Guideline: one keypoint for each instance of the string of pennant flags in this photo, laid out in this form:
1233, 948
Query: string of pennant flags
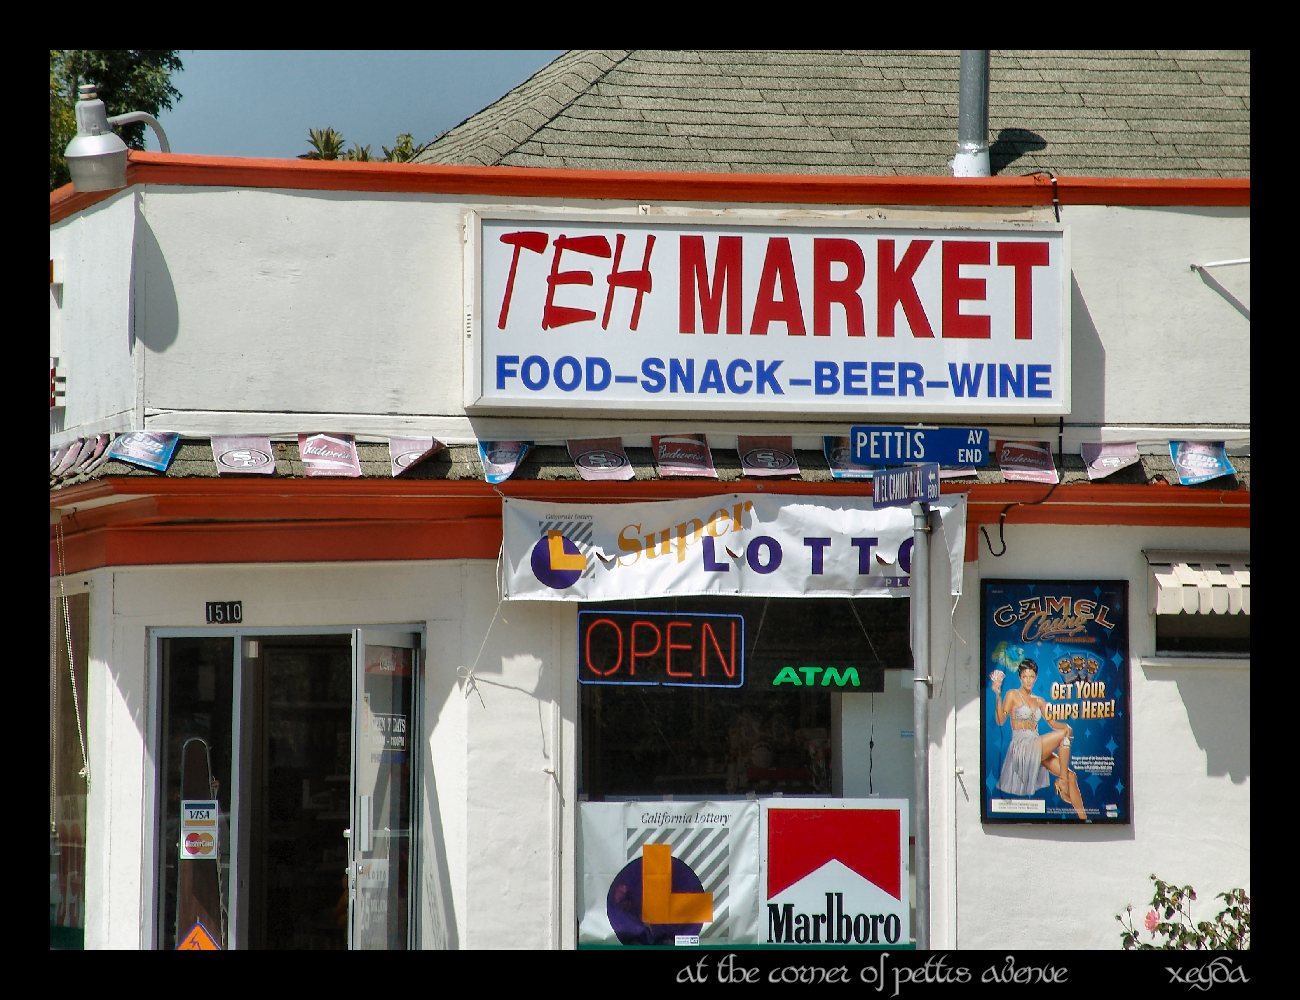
676, 456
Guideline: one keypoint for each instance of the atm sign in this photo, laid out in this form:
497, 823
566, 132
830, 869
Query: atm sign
657, 648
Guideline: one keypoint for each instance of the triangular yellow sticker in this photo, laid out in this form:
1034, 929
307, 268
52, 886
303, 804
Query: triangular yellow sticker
198, 939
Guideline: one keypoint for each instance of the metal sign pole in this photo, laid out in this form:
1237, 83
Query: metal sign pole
921, 716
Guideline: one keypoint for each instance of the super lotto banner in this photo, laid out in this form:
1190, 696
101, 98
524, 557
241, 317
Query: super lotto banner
759, 545
1055, 731
676, 316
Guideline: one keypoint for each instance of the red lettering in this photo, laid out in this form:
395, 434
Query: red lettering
591, 628
536, 242
728, 668
894, 285
640, 280
694, 275
1024, 257
553, 315
957, 289
651, 652
778, 264
845, 292
672, 645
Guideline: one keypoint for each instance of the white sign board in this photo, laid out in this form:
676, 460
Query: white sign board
752, 544
691, 316
200, 839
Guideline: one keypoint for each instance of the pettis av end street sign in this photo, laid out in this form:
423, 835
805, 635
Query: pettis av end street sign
944, 445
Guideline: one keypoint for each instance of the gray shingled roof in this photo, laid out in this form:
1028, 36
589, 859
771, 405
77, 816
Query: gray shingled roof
1119, 113
193, 459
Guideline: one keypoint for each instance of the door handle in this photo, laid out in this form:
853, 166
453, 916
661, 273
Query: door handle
365, 822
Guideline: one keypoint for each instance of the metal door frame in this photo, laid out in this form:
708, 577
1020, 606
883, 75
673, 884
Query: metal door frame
151, 814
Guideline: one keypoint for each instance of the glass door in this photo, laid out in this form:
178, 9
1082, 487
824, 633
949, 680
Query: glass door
383, 718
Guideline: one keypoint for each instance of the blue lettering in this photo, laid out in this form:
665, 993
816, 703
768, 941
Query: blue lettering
712, 377
773, 554
568, 384
1016, 382
818, 546
732, 384
905, 555
882, 378
594, 365
962, 382
910, 373
767, 377
864, 547
826, 375
653, 370
541, 381
711, 563
1040, 377
505, 369
855, 378
676, 375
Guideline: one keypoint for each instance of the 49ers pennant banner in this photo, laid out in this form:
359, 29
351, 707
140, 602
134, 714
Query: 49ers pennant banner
757, 545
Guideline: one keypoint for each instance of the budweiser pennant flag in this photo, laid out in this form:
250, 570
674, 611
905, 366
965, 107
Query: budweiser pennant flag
601, 458
1027, 462
150, 449
329, 455
683, 455
405, 453
243, 456
1199, 461
839, 456
501, 458
767, 456
1101, 459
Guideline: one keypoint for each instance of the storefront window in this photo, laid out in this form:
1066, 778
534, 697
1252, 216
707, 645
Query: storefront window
197, 692
68, 769
779, 732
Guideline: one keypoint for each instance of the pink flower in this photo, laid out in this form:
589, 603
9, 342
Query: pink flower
1151, 921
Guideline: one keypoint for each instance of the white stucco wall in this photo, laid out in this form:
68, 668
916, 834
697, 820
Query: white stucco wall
90, 321
1061, 886
271, 311
497, 827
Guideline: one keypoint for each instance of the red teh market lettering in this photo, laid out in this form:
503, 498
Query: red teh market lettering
712, 294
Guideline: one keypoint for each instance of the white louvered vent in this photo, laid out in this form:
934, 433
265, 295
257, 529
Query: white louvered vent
1199, 582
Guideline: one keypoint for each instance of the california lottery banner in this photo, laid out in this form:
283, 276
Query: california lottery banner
669, 873
760, 545
1055, 711
675, 314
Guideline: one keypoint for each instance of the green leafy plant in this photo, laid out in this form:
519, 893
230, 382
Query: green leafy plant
325, 143
359, 153
1170, 923
404, 149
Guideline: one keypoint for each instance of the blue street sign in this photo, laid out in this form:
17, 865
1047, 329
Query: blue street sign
899, 487
944, 445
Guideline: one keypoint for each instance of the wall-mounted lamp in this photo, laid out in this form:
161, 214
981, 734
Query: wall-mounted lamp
96, 158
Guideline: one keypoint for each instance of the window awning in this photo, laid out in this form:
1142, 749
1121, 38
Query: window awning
1199, 582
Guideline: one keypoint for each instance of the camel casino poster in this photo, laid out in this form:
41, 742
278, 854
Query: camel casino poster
1054, 732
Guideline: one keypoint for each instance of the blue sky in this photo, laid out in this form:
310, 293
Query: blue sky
261, 103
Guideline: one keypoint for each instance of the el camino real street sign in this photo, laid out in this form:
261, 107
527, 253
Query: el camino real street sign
900, 487
687, 315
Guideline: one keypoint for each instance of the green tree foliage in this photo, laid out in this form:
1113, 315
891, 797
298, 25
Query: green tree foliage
327, 144
1170, 923
126, 80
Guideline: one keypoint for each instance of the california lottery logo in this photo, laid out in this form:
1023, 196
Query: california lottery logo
557, 562
656, 898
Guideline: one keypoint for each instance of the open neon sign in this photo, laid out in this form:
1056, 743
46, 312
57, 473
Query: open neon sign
658, 648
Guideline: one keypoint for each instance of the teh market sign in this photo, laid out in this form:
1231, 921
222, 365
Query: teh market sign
697, 316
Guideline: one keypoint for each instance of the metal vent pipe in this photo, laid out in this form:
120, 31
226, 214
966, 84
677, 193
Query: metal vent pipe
972, 159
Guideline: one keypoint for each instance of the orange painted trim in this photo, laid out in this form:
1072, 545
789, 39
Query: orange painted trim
647, 185
186, 521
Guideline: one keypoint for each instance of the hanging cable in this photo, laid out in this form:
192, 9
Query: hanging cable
67, 632
1002, 522
871, 747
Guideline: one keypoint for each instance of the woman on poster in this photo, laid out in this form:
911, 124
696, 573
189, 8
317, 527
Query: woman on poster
1032, 757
